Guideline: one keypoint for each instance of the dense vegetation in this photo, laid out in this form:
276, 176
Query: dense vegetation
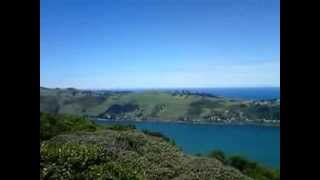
197, 107
118, 109
158, 134
250, 168
53, 125
156, 105
75, 148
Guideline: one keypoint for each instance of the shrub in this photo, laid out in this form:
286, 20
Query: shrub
118, 109
157, 134
247, 167
52, 125
120, 127
253, 169
113, 171
218, 154
81, 161
129, 143
240, 163
173, 142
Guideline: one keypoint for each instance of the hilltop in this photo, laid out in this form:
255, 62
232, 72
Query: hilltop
158, 105
74, 148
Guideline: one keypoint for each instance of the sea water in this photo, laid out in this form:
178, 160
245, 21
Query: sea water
257, 143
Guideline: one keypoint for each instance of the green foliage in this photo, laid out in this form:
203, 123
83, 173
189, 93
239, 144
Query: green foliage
118, 109
113, 171
120, 127
253, 169
173, 142
241, 163
197, 106
218, 154
52, 125
81, 161
156, 134
248, 167
160, 135
158, 109
86, 101
157, 105
120, 153
116, 152
123, 155
263, 112
129, 143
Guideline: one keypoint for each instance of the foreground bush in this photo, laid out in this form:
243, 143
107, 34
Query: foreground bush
248, 167
156, 134
52, 125
160, 135
81, 161
218, 155
119, 127
76, 148
125, 155
253, 169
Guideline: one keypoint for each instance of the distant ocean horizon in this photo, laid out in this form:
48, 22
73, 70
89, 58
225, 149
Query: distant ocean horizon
247, 93
242, 93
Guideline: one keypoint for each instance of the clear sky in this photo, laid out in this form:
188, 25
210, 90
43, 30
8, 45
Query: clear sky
102, 44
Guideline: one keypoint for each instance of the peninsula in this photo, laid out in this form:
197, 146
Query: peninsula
155, 105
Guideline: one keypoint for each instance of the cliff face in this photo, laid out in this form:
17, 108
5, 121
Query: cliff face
125, 154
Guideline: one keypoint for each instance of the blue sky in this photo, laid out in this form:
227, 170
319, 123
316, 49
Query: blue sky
99, 44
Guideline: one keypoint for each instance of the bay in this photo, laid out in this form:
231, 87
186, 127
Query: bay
258, 143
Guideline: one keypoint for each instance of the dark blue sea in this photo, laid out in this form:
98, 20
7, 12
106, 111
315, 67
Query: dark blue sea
257, 143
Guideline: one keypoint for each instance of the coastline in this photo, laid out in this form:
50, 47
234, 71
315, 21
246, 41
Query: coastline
171, 127
225, 123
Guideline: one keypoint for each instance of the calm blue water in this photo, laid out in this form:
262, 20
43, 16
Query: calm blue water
255, 142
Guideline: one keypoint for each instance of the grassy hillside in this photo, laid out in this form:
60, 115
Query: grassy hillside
76, 148
156, 105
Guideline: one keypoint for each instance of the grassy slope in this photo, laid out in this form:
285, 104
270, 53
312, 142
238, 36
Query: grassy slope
130, 154
152, 105
74, 148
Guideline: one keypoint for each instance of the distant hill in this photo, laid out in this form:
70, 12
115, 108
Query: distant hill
156, 105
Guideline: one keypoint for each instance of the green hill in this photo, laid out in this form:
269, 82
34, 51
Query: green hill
157, 105
75, 148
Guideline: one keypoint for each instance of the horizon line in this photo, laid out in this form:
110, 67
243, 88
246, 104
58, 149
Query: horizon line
150, 88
